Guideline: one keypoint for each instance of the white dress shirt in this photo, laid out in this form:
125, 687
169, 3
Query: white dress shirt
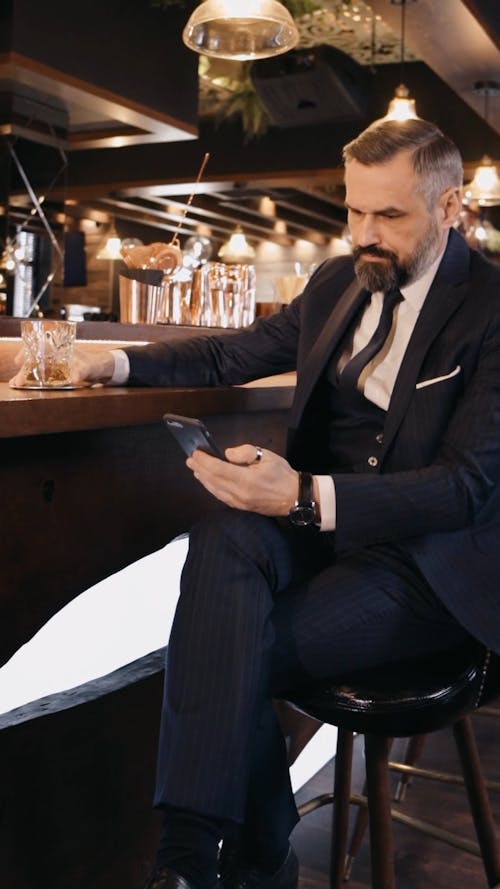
378, 377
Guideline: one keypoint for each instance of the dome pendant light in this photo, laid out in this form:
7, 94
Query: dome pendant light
241, 29
485, 185
236, 249
111, 249
402, 106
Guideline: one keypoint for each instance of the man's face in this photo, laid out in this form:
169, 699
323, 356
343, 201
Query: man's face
395, 236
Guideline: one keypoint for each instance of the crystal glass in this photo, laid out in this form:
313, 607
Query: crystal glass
48, 352
232, 294
176, 304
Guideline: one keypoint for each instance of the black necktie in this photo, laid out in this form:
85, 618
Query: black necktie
350, 374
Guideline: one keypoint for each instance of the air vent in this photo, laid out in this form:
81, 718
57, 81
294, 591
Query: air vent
309, 86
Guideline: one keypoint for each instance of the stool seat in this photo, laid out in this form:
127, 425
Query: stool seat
401, 699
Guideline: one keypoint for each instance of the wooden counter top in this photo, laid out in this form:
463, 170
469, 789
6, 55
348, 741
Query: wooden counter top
28, 412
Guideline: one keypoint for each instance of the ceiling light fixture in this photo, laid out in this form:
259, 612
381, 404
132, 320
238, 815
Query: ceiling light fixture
267, 206
111, 249
237, 248
485, 184
402, 106
241, 29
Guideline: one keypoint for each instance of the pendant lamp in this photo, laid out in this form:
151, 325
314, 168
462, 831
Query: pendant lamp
236, 249
402, 106
111, 249
485, 184
241, 29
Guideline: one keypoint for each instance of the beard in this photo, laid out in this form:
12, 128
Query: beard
392, 273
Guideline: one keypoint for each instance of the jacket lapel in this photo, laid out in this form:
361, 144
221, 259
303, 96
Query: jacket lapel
447, 292
335, 326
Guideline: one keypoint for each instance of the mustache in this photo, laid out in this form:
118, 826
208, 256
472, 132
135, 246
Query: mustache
373, 250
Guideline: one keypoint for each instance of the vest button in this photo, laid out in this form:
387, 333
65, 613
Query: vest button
372, 461
379, 438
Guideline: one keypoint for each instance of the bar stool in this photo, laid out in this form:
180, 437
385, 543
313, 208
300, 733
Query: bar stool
403, 700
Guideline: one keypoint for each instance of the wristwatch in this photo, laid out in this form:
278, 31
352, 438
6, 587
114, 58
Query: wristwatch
304, 511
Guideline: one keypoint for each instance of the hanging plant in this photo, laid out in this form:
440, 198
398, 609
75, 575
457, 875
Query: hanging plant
243, 102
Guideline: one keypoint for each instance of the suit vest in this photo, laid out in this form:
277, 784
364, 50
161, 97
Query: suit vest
355, 426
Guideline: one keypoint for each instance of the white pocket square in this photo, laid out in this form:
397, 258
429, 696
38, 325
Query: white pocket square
433, 380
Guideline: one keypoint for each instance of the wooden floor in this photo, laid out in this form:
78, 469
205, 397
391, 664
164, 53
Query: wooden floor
421, 862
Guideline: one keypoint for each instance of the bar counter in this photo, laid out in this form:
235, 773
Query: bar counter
91, 481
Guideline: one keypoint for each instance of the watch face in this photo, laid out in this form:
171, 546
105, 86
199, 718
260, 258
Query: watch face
302, 515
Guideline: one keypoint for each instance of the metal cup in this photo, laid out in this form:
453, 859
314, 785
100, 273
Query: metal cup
140, 301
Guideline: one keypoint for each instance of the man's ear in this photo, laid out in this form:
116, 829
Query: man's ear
450, 204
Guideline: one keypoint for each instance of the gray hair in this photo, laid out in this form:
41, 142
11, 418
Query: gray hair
436, 159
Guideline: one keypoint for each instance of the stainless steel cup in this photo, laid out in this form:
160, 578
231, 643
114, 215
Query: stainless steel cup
140, 302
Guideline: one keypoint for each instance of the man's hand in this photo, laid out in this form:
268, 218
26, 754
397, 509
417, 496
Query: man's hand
268, 486
88, 366
92, 366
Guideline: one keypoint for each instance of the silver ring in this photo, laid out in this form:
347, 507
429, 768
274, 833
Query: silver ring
258, 455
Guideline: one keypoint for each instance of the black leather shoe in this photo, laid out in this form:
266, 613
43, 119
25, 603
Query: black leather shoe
286, 877
165, 878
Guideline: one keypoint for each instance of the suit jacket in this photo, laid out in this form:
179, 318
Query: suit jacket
436, 487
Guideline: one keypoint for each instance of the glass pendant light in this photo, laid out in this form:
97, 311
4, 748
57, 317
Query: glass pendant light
237, 248
485, 184
402, 106
111, 249
241, 29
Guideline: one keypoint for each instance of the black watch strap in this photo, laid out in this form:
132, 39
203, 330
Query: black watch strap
304, 510
306, 490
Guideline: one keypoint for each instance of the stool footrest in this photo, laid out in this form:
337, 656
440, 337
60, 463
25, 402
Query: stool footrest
439, 833
317, 802
435, 775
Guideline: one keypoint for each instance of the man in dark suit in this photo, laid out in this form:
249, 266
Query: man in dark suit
376, 539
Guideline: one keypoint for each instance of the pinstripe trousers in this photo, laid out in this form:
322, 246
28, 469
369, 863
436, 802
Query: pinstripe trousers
265, 607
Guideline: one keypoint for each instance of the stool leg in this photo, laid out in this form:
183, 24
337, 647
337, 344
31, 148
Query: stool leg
341, 802
379, 810
358, 833
412, 755
357, 838
478, 799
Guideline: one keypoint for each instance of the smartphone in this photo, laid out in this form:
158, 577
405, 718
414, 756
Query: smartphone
192, 435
